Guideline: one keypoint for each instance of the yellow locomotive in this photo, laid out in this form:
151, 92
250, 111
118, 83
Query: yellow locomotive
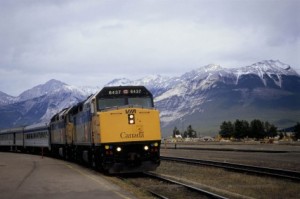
116, 129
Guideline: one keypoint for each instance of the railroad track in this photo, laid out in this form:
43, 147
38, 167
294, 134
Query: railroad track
180, 147
162, 187
278, 173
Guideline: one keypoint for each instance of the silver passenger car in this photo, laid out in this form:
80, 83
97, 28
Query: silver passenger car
37, 135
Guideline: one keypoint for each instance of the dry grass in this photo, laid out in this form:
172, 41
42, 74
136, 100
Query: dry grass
231, 184
137, 192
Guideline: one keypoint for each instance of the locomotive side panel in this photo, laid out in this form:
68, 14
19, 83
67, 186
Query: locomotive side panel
69, 133
58, 133
82, 133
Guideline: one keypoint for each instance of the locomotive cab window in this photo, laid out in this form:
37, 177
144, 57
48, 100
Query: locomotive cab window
138, 101
110, 103
113, 97
117, 102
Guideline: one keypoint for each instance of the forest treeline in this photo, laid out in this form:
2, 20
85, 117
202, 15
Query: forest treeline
256, 129
240, 129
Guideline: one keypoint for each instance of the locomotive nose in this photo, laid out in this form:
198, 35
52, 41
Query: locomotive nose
133, 157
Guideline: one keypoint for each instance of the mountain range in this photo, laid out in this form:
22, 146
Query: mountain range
205, 97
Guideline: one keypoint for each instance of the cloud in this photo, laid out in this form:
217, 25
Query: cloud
96, 41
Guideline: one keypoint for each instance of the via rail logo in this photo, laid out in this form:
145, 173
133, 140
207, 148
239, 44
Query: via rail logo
130, 111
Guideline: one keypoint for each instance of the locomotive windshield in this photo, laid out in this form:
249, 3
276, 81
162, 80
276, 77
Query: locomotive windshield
145, 102
111, 97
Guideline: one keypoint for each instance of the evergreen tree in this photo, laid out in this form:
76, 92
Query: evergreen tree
191, 132
270, 129
246, 128
175, 132
267, 127
297, 131
226, 129
257, 129
241, 129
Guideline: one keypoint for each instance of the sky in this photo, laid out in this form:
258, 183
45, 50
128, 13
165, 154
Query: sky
92, 42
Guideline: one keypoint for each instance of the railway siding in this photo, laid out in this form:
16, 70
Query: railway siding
236, 184
286, 157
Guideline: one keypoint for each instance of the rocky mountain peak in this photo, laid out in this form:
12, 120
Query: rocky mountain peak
50, 87
212, 68
6, 99
119, 82
269, 67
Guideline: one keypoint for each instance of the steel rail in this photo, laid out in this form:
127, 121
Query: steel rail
157, 195
278, 173
192, 188
182, 147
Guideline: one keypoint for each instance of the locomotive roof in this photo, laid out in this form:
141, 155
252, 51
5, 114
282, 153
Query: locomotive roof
60, 114
124, 90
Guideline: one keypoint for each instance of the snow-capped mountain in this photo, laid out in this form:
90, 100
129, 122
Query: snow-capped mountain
156, 83
119, 82
204, 97
267, 67
89, 90
49, 88
270, 72
39, 104
211, 94
262, 74
6, 99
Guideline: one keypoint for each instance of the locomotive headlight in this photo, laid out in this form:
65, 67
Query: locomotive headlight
106, 147
156, 144
131, 119
146, 148
119, 149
